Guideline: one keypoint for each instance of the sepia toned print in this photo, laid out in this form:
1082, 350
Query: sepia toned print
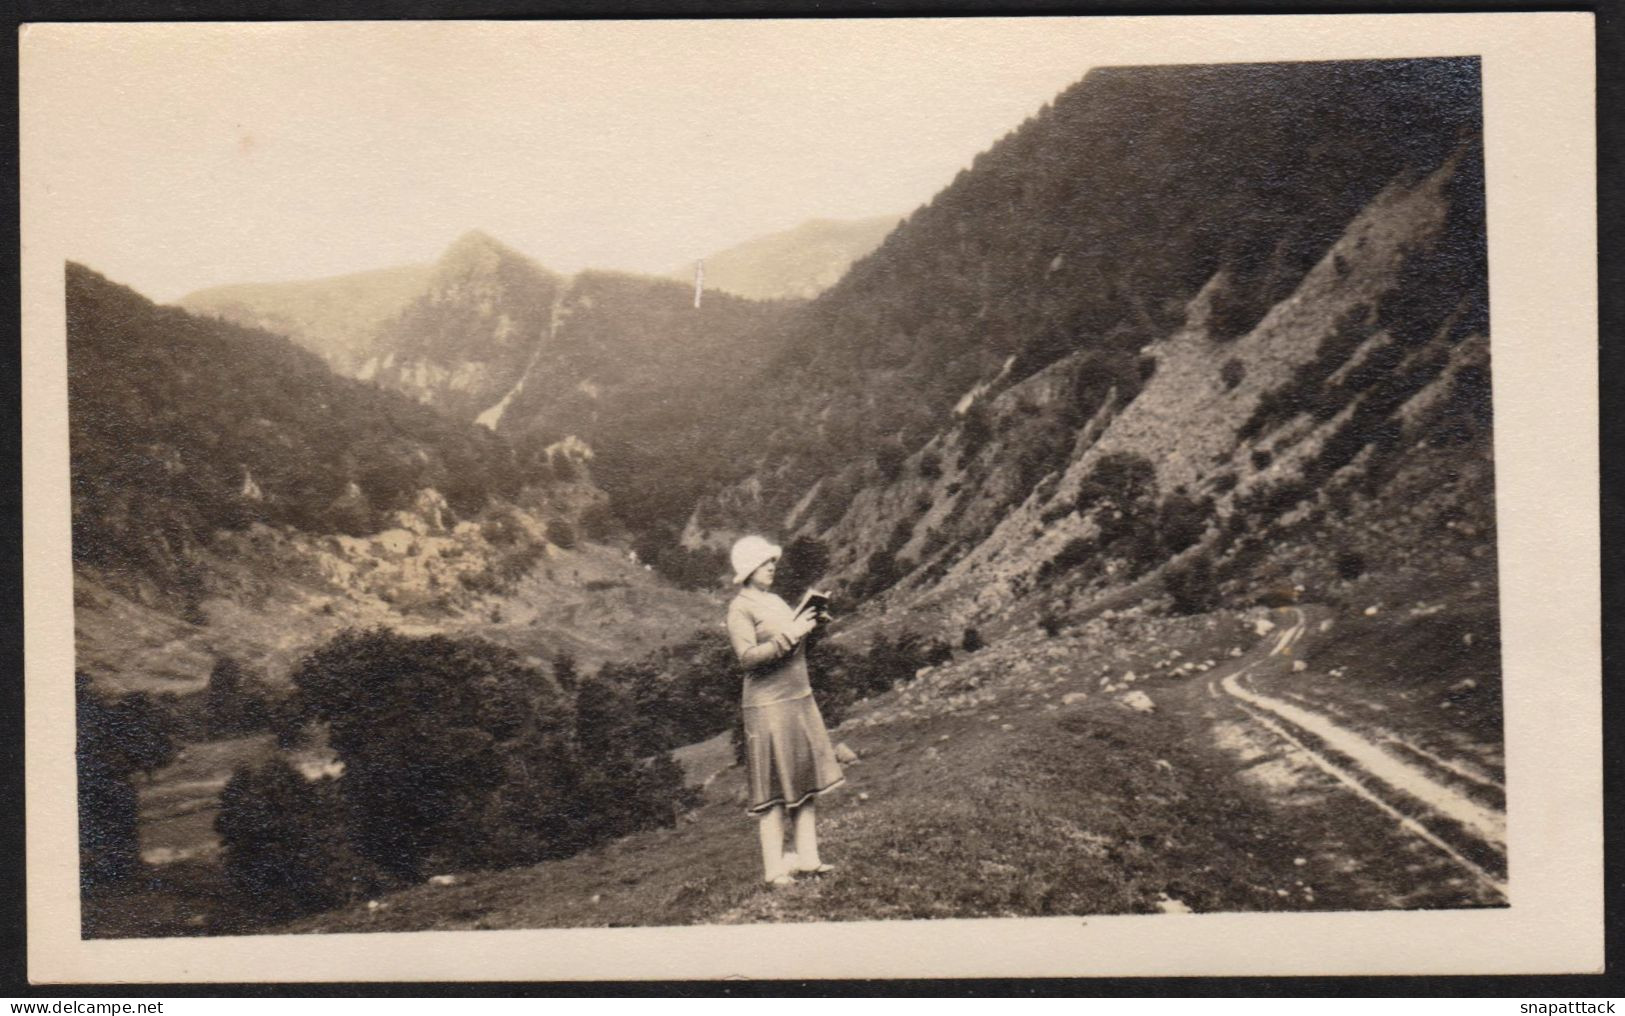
1141, 472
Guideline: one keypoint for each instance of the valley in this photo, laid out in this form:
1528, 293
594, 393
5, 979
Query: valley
1154, 484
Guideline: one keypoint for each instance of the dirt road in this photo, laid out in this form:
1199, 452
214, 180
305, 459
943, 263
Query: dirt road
1432, 801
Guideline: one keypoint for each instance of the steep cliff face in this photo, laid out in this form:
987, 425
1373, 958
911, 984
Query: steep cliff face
1379, 356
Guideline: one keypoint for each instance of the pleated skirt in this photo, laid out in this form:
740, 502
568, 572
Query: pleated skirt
788, 757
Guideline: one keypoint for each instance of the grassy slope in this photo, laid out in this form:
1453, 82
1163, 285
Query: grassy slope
981, 791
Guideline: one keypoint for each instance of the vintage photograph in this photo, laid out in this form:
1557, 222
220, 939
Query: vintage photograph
553, 478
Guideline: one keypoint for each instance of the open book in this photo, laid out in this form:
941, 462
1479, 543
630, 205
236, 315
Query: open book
813, 602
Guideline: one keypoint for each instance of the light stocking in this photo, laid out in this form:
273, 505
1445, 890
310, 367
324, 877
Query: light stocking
770, 827
807, 837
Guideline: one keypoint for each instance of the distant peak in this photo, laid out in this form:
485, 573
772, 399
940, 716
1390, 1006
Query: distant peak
475, 240
477, 247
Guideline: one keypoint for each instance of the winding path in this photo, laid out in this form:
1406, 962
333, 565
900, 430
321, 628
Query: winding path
1410, 795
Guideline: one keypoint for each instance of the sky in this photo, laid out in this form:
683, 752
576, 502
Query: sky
187, 156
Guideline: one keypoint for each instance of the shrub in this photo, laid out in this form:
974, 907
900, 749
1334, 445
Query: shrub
1120, 479
976, 429
1262, 458
562, 533
1232, 373
286, 849
598, 522
971, 641
1051, 623
456, 753
1192, 586
1077, 551
1350, 564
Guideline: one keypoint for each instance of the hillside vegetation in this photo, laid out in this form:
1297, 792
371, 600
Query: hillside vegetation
1194, 295
181, 426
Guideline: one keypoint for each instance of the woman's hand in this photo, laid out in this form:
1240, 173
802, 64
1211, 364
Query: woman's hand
800, 627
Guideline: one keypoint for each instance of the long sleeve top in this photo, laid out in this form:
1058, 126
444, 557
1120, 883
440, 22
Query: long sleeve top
775, 669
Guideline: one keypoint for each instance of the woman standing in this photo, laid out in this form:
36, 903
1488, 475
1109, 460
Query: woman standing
787, 751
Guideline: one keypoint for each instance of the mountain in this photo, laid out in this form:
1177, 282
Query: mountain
646, 379
1129, 253
232, 496
796, 263
335, 318
181, 425
624, 365
1195, 291
469, 337
622, 369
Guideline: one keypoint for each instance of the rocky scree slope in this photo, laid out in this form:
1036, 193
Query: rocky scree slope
1216, 307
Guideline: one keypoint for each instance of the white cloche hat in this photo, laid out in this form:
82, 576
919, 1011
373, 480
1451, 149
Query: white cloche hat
749, 554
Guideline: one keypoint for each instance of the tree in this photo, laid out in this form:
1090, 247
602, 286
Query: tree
285, 846
418, 724
116, 740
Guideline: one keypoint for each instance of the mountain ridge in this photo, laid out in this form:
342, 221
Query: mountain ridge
795, 263
333, 317
1100, 292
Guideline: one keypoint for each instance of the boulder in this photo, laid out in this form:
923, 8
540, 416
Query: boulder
1138, 701
844, 754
